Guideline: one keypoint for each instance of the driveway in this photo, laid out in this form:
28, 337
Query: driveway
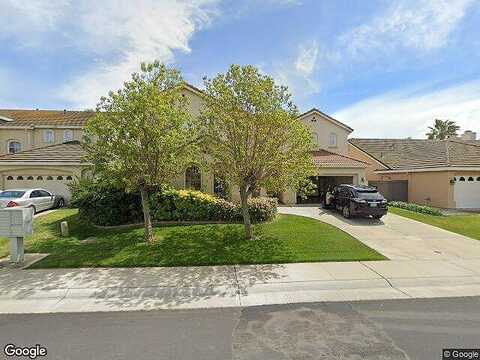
396, 237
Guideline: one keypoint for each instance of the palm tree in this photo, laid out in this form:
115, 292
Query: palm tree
442, 129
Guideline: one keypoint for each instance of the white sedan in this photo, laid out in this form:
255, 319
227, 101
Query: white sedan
38, 199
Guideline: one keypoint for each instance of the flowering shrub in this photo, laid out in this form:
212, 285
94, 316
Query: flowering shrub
103, 204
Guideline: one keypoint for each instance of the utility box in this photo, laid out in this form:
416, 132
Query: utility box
15, 223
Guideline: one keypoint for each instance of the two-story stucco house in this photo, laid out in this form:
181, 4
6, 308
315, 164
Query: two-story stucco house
42, 149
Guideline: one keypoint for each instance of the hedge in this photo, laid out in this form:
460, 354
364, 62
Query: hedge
103, 204
416, 208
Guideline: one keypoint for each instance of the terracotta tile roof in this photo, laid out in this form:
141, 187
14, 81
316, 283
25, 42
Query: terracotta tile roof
67, 152
404, 154
327, 159
44, 117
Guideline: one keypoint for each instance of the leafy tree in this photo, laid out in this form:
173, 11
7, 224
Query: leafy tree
442, 129
253, 135
143, 135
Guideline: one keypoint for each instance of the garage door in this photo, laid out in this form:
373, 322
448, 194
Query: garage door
58, 184
467, 192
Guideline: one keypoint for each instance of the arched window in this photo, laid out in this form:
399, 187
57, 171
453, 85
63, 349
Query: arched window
59, 177
39, 177
9, 177
14, 146
69, 177
20, 177
478, 178
462, 179
470, 178
49, 178
219, 187
193, 178
30, 177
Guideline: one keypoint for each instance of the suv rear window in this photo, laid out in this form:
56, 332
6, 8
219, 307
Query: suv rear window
369, 195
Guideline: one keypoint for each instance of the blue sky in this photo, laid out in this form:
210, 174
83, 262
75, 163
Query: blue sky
386, 68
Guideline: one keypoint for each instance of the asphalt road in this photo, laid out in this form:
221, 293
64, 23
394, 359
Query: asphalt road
394, 329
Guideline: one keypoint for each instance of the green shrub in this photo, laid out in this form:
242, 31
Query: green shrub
101, 203
104, 204
416, 208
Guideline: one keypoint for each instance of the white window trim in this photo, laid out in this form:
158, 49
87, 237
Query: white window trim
67, 131
335, 143
8, 145
45, 132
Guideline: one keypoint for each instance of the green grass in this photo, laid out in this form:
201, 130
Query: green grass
286, 239
468, 225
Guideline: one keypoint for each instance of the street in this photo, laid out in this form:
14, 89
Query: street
392, 329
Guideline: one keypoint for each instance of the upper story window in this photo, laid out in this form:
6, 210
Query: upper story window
193, 178
14, 146
315, 138
48, 136
332, 140
67, 135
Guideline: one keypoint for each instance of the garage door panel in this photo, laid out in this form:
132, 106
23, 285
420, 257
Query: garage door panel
467, 192
59, 187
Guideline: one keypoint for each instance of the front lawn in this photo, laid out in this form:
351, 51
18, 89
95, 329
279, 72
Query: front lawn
287, 239
468, 225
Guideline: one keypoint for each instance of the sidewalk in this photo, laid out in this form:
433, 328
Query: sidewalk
90, 289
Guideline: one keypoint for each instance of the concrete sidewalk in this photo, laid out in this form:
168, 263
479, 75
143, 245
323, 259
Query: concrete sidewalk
90, 289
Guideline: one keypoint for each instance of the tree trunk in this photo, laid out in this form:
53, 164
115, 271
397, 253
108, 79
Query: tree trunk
147, 219
246, 214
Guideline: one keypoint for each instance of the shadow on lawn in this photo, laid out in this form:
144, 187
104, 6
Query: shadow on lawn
137, 287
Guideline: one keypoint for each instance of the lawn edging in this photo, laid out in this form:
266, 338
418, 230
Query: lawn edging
166, 223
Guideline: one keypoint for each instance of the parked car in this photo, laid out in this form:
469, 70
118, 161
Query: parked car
354, 200
38, 199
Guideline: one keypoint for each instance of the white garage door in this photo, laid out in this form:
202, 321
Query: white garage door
58, 184
467, 192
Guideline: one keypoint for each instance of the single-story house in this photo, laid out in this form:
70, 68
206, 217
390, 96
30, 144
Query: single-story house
439, 173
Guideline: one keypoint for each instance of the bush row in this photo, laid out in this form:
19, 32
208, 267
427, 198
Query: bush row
105, 205
416, 208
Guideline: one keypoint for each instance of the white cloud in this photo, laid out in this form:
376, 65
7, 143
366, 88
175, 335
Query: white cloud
307, 58
298, 73
117, 34
421, 25
409, 112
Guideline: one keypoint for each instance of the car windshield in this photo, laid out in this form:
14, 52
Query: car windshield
369, 195
11, 194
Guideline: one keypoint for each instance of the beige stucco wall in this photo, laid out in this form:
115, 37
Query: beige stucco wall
431, 188
374, 164
321, 128
33, 138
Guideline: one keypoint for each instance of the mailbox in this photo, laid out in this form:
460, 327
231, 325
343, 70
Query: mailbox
15, 223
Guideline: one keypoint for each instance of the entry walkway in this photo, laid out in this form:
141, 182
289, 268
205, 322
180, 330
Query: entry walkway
396, 237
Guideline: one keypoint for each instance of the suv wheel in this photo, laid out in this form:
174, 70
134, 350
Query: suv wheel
346, 212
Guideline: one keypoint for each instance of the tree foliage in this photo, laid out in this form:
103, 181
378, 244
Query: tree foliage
143, 135
253, 136
442, 129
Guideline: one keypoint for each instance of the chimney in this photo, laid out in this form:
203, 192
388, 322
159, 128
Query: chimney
469, 135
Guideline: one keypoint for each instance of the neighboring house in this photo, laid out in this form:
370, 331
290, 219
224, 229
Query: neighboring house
440, 173
42, 149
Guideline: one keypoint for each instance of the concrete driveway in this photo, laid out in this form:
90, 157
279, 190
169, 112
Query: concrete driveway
396, 237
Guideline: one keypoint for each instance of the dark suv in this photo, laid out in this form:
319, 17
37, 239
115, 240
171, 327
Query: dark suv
359, 201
